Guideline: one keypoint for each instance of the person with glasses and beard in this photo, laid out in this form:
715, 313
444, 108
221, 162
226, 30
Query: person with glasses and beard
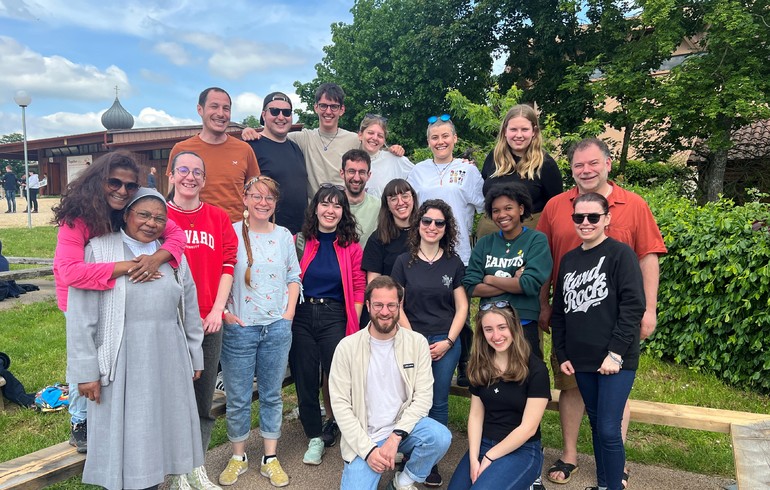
381, 390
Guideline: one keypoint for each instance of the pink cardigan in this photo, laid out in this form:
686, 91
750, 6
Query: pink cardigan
353, 278
70, 269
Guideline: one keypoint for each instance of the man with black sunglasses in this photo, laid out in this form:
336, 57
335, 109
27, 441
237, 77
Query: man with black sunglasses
633, 224
230, 162
282, 160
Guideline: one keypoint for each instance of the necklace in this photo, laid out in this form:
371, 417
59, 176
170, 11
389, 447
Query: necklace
327, 145
508, 242
187, 212
441, 172
430, 261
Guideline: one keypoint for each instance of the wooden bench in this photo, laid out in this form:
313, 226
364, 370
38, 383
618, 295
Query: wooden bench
61, 461
32, 273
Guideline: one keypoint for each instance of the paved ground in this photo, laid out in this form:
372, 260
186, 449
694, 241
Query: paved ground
327, 476
19, 219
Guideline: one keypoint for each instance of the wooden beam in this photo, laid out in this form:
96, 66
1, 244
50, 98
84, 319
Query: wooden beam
29, 260
20, 274
751, 450
42, 468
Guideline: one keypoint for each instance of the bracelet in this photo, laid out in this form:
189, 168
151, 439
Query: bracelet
451, 342
490, 459
615, 358
225, 311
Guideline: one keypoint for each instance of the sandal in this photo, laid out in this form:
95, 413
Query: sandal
565, 468
624, 481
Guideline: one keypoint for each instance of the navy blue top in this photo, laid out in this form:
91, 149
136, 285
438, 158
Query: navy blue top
322, 278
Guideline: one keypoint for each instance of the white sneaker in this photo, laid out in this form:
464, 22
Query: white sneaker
219, 386
178, 482
199, 480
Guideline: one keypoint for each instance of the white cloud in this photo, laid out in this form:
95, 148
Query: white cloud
174, 52
240, 57
154, 77
56, 76
150, 117
246, 104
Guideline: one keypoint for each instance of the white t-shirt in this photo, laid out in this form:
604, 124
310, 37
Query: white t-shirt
386, 167
385, 390
460, 185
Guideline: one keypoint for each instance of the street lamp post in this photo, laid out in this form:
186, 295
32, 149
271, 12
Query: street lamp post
23, 99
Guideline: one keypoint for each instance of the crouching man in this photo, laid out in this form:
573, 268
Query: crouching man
381, 387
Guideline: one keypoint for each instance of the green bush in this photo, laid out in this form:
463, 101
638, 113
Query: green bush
714, 296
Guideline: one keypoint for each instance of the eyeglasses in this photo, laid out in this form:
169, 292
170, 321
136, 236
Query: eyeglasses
322, 107
593, 218
405, 197
425, 221
497, 304
392, 307
442, 117
260, 197
146, 217
185, 171
115, 184
329, 185
274, 111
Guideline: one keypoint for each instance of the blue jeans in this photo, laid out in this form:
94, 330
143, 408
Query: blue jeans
78, 407
10, 199
427, 444
443, 370
244, 349
605, 397
514, 471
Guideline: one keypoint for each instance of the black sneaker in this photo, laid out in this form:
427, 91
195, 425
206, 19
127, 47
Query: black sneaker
538, 484
434, 479
79, 436
330, 433
462, 376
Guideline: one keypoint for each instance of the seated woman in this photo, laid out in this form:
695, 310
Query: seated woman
598, 304
133, 352
509, 392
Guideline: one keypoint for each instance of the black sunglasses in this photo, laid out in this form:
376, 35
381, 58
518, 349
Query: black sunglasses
497, 304
329, 185
115, 184
274, 111
440, 223
593, 218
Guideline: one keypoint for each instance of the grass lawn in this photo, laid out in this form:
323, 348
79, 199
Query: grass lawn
34, 337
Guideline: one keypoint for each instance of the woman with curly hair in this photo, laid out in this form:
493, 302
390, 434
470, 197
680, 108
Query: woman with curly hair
333, 284
92, 206
509, 392
518, 156
435, 303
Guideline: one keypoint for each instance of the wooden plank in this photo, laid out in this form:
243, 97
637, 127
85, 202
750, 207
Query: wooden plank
17, 275
29, 260
41, 468
751, 449
687, 417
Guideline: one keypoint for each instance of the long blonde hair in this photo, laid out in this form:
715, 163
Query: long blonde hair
481, 366
272, 188
532, 161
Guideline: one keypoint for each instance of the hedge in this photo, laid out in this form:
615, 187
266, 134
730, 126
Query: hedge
714, 295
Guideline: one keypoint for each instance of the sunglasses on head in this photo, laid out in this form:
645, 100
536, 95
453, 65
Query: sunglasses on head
593, 218
497, 304
274, 111
115, 184
329, 185
442, 117
440, 223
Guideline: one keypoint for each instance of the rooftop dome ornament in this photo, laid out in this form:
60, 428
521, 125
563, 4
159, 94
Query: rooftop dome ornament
116, 117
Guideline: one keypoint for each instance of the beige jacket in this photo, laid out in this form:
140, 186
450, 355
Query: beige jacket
347, 386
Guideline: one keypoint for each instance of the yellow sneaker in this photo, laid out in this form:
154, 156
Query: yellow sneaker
273, 470
235, 468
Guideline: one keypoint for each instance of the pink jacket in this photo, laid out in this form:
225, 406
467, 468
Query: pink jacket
353, 278
70, 268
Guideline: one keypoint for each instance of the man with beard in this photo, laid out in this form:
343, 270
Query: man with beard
381, 387
355, 172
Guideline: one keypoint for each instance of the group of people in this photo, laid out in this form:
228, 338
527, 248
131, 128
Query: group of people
13, 185
331, 253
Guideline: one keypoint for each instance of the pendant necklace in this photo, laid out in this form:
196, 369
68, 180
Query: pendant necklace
186, 213
441, 172
430, 261
327, 145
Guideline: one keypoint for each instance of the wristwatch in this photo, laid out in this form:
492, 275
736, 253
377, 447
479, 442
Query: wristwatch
401, 433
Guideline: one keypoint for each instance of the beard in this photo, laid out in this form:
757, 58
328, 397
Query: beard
388, 326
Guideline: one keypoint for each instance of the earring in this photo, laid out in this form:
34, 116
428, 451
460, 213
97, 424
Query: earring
245, 214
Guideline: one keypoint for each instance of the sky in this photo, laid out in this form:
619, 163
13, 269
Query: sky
69, 56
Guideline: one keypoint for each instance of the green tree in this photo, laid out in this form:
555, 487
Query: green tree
725, 87
16, 165
399, 58
251, 121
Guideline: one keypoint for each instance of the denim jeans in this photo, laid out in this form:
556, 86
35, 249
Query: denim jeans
10, 199
605, 397
443, 370
316, 331
244, 349
426, 444
78, 407
514, 471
